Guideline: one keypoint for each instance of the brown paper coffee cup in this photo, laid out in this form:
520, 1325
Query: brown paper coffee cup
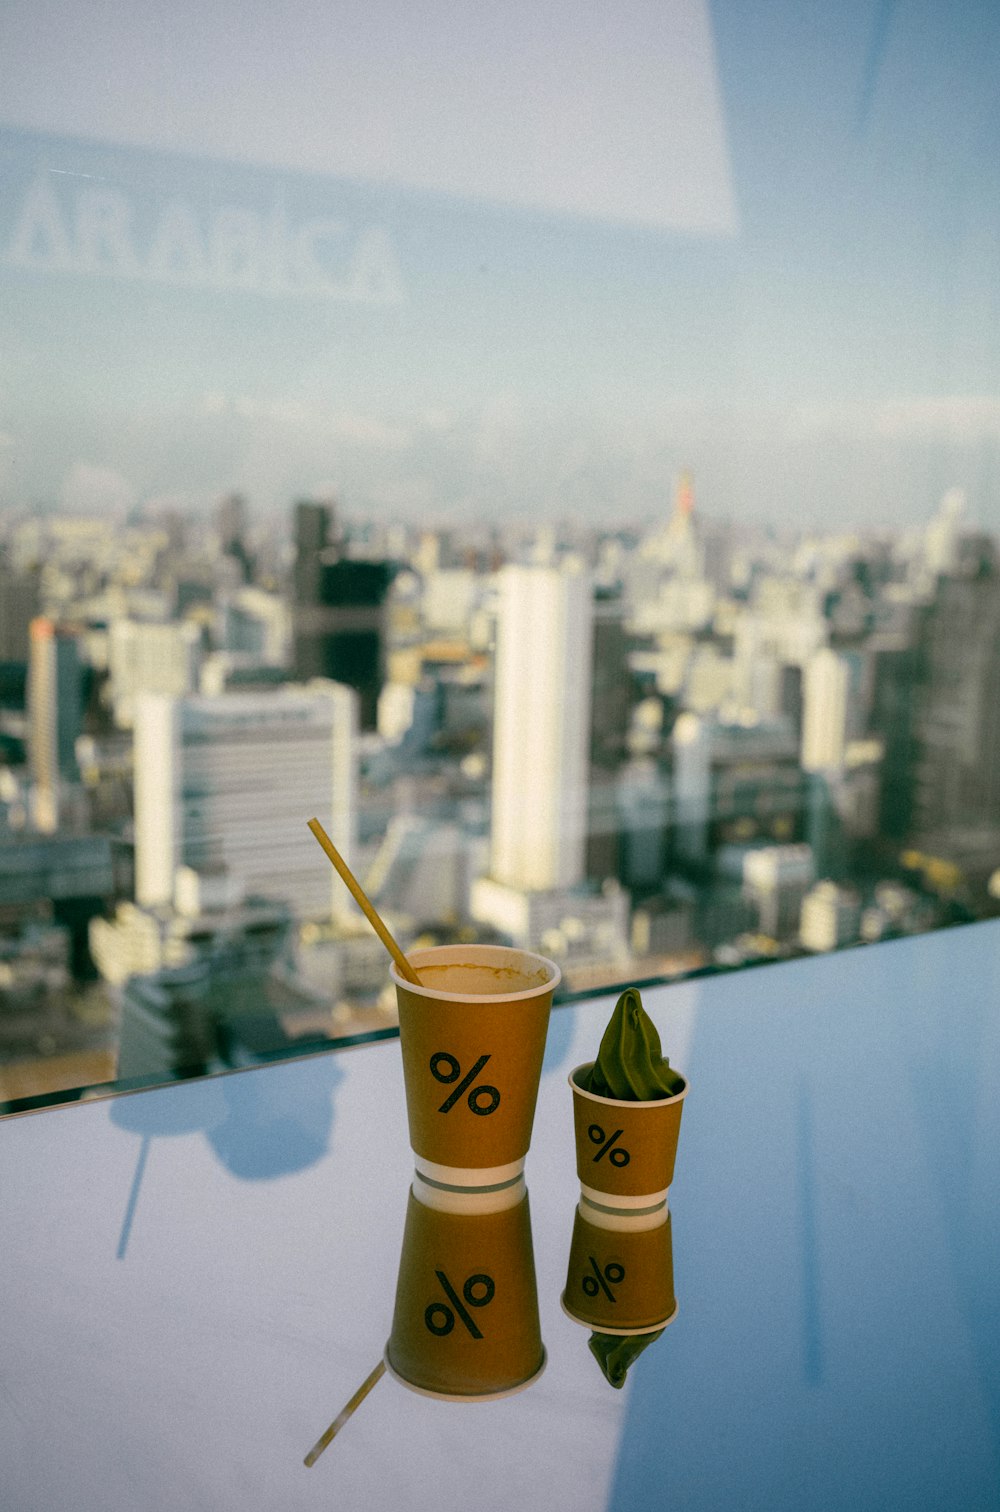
465, 1325
625, 1151
620, 1279
472, 1038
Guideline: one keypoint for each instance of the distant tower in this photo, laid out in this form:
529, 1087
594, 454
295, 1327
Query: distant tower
684, 496
541, 728
678, 546
55, 712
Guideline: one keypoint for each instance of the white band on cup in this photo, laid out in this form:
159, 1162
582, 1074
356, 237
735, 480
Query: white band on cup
445, 1199
479, 1178
647, 1201
619, 1219
484, 1197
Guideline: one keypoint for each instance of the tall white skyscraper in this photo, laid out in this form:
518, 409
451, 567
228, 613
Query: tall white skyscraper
541, 727
230, 781
831, 695
150, 658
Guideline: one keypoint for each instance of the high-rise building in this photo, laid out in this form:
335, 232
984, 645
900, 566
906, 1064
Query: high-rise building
895, 689
231, 520
609, 712
956, 755
313, 531
55, 713
541, 728
19, 605
339, 611
354, 629
231, 780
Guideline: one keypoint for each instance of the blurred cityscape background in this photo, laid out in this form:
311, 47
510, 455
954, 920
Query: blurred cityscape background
639, 750
591, 516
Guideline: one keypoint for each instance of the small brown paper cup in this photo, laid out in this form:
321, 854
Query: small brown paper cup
465, 1325
472, 1038
620, 1280
625, 1151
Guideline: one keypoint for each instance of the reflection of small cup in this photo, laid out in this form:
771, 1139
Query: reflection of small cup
620, 1278
625, 1151
473, 1037
465, 1325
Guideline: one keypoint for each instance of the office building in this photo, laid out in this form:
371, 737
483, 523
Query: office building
55, 716
314, 530
231, 780
68, 877
956, 725
736, 782
776, 878
231, 522
831, 917
609, 716
209, 918
643, 799
256, 624
895, 670
832, 708
339, 612
19, 605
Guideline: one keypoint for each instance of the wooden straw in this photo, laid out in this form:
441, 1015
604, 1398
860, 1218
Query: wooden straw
344, 1414
367, 907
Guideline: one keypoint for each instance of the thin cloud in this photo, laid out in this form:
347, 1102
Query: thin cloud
933, 417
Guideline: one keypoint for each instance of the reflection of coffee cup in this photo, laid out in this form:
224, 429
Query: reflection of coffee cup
620, 1278
473, 1036
465, 1325
625, 1151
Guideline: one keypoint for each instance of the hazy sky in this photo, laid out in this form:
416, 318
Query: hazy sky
555, 253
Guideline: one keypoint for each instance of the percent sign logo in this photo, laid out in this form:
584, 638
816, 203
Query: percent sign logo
478, 1291
619, 1157
603, 1280
482, 1100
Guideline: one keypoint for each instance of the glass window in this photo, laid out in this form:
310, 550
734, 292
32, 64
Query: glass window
554, 446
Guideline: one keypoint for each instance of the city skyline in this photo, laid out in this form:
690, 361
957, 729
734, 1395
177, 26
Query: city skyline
790, 746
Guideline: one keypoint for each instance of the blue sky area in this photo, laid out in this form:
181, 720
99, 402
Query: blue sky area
808, 315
